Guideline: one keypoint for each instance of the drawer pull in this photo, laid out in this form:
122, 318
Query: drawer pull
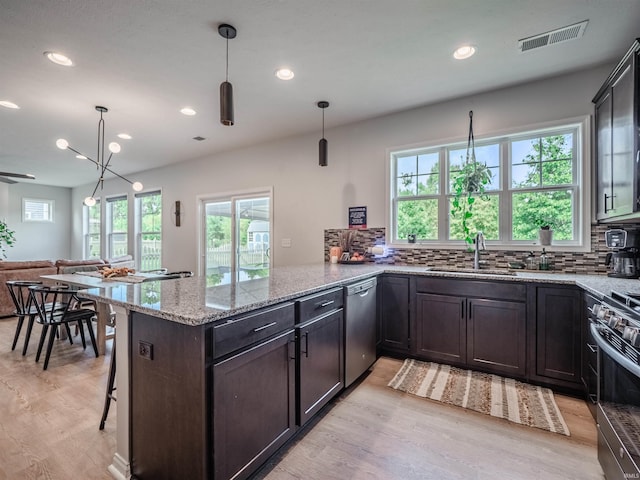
264, 327
326, 304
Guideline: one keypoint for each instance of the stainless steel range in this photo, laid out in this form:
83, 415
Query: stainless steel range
615, 326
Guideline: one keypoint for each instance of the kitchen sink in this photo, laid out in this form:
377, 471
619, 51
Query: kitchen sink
486, 271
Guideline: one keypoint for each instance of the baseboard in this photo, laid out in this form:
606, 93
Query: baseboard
119, 468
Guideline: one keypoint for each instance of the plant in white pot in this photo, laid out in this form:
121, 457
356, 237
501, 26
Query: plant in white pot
545, 233
7, 238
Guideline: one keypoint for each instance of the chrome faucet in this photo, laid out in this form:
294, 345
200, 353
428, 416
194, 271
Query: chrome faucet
479, 241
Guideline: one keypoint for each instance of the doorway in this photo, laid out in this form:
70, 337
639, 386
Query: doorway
236, 238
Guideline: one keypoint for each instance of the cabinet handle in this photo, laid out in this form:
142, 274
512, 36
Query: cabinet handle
326, 304
264, 327
306, 344
593, 348
462, 308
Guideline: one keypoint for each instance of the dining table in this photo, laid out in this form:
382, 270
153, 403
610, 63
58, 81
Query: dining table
96, 280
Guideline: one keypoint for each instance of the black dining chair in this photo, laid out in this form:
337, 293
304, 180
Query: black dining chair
57, 306
19, 292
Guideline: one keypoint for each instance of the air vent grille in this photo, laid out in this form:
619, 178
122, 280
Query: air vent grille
560, 35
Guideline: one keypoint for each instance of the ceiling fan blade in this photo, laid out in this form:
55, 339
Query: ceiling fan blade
18, 175
7, 180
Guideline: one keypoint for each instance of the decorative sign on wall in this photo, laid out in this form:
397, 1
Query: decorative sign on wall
358, 217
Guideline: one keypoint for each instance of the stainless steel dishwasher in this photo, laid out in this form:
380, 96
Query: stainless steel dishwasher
360, 329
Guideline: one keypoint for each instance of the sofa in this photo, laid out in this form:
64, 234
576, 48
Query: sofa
33, 269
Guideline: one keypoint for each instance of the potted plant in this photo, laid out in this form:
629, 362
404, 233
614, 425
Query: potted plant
545, 233
468, 185
7, 238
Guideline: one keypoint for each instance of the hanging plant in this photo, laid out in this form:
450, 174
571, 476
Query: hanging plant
469, 184
7, 238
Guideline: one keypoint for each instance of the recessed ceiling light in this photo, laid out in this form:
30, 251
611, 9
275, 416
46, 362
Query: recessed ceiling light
188, 111
464, 51
285, 74
124, 136
59, 58
8, 104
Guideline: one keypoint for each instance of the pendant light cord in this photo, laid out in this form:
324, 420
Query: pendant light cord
323, 123
227, 72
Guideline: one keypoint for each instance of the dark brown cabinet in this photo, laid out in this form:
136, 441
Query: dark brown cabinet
441, 328
617, 142
480, 333
320, 363
394, 308
557, 335
589, 361
253, 406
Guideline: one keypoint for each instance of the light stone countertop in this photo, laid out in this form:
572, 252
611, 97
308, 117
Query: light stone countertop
191, 302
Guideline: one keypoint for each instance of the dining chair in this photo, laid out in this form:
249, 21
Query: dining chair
57, 306
19, 292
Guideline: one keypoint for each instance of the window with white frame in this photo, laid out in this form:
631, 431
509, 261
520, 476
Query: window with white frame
37, 210
536, 181
149, 230
117, 226
91, 230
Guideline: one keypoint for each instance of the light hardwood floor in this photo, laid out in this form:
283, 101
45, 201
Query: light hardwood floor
49, 430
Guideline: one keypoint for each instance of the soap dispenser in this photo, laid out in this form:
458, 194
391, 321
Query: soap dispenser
530, 261
544, 260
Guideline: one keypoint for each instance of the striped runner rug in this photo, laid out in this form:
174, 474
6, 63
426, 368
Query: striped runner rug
483, 392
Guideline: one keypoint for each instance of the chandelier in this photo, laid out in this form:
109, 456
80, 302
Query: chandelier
101, 164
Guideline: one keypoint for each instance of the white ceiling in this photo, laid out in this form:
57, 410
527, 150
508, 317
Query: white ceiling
146, 59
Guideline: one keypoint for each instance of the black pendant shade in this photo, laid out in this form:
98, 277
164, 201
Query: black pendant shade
226, 103
226, 89
323, 146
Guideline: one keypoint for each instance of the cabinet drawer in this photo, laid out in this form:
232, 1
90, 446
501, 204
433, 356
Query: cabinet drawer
315, 305
240, 332
516, 292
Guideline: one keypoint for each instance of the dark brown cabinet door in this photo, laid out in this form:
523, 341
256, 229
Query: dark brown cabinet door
253, 406
496, 336
320, 363
394, 313
558, 340
441, 328
617, 149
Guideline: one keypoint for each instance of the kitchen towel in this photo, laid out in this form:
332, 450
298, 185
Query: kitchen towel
490, 394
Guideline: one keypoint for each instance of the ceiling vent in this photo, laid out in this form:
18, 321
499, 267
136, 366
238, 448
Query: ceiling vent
564, 34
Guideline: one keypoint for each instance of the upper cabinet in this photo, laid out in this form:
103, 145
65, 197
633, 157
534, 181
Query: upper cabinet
617, 142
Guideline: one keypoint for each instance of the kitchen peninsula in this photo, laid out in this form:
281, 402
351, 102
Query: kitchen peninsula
214, 373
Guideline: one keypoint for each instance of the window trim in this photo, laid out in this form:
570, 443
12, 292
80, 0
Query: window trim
583, 177
138, 225
109, 232
43, 201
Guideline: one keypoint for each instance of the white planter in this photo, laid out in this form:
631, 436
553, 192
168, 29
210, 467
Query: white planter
545, 236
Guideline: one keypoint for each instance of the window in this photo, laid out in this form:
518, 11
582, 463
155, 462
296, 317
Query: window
117, 226
36, 210
536, 180
149, 230
91, 229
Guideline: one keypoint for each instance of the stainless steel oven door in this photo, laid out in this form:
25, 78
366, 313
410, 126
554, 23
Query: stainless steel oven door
618, 413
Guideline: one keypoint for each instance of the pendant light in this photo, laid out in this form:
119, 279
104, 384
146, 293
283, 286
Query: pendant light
323, 141
226, 89
101, 163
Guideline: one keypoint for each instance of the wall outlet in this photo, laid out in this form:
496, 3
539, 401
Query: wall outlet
286, 243
145, 350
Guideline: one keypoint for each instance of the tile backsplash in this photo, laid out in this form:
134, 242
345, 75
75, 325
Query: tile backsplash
568, 262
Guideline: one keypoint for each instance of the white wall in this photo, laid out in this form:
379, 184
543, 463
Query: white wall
308, 198
39, 240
